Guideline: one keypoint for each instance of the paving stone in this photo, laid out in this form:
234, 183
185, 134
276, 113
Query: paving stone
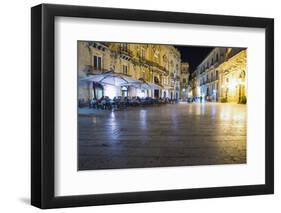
159, 136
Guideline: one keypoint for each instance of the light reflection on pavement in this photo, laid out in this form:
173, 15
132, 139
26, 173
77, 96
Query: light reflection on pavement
168, 135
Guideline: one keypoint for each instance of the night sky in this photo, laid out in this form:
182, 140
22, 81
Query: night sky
194, 55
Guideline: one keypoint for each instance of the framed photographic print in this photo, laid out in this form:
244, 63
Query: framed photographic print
139, 106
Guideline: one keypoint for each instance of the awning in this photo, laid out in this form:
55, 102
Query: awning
149, 85
154, 86
116, 79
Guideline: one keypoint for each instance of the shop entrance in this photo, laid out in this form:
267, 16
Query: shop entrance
124, 91
156, 93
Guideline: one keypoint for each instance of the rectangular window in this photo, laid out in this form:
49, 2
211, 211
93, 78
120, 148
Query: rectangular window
124, 47
97, 62
125, 69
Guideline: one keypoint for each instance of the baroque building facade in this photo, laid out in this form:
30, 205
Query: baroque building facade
184, 77
159, 66
221, 76
233, 76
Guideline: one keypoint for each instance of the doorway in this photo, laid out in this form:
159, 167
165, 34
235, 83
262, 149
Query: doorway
124, 91
156, 93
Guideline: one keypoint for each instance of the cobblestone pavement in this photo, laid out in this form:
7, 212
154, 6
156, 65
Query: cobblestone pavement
168, 135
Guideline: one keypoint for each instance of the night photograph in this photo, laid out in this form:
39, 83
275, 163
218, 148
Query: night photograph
156, 105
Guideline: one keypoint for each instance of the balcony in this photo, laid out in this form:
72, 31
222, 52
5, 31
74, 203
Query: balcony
93, 71
154, 65
105, 44
202, 71
125, 53
99, 45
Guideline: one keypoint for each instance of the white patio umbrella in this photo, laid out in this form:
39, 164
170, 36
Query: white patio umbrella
116, 79
148, 85
153, 86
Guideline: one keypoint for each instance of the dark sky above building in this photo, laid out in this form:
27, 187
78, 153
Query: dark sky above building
194, 55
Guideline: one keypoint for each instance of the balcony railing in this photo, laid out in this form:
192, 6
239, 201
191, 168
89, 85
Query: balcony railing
91, 70
125, 53
153, 64
99, 45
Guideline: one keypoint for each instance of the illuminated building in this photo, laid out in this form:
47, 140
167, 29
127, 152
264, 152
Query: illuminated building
158, 67
184, 76
233, 78
221, 76
193, 85
209, 75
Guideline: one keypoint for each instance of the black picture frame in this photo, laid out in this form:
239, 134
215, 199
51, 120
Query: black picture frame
43, 102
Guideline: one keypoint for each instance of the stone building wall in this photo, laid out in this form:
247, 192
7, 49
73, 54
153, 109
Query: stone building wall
221, 76
209, 75
157, 64
184, 77
234, 78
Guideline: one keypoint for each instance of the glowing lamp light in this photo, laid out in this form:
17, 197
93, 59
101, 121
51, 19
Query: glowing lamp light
240, 81
232, 84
